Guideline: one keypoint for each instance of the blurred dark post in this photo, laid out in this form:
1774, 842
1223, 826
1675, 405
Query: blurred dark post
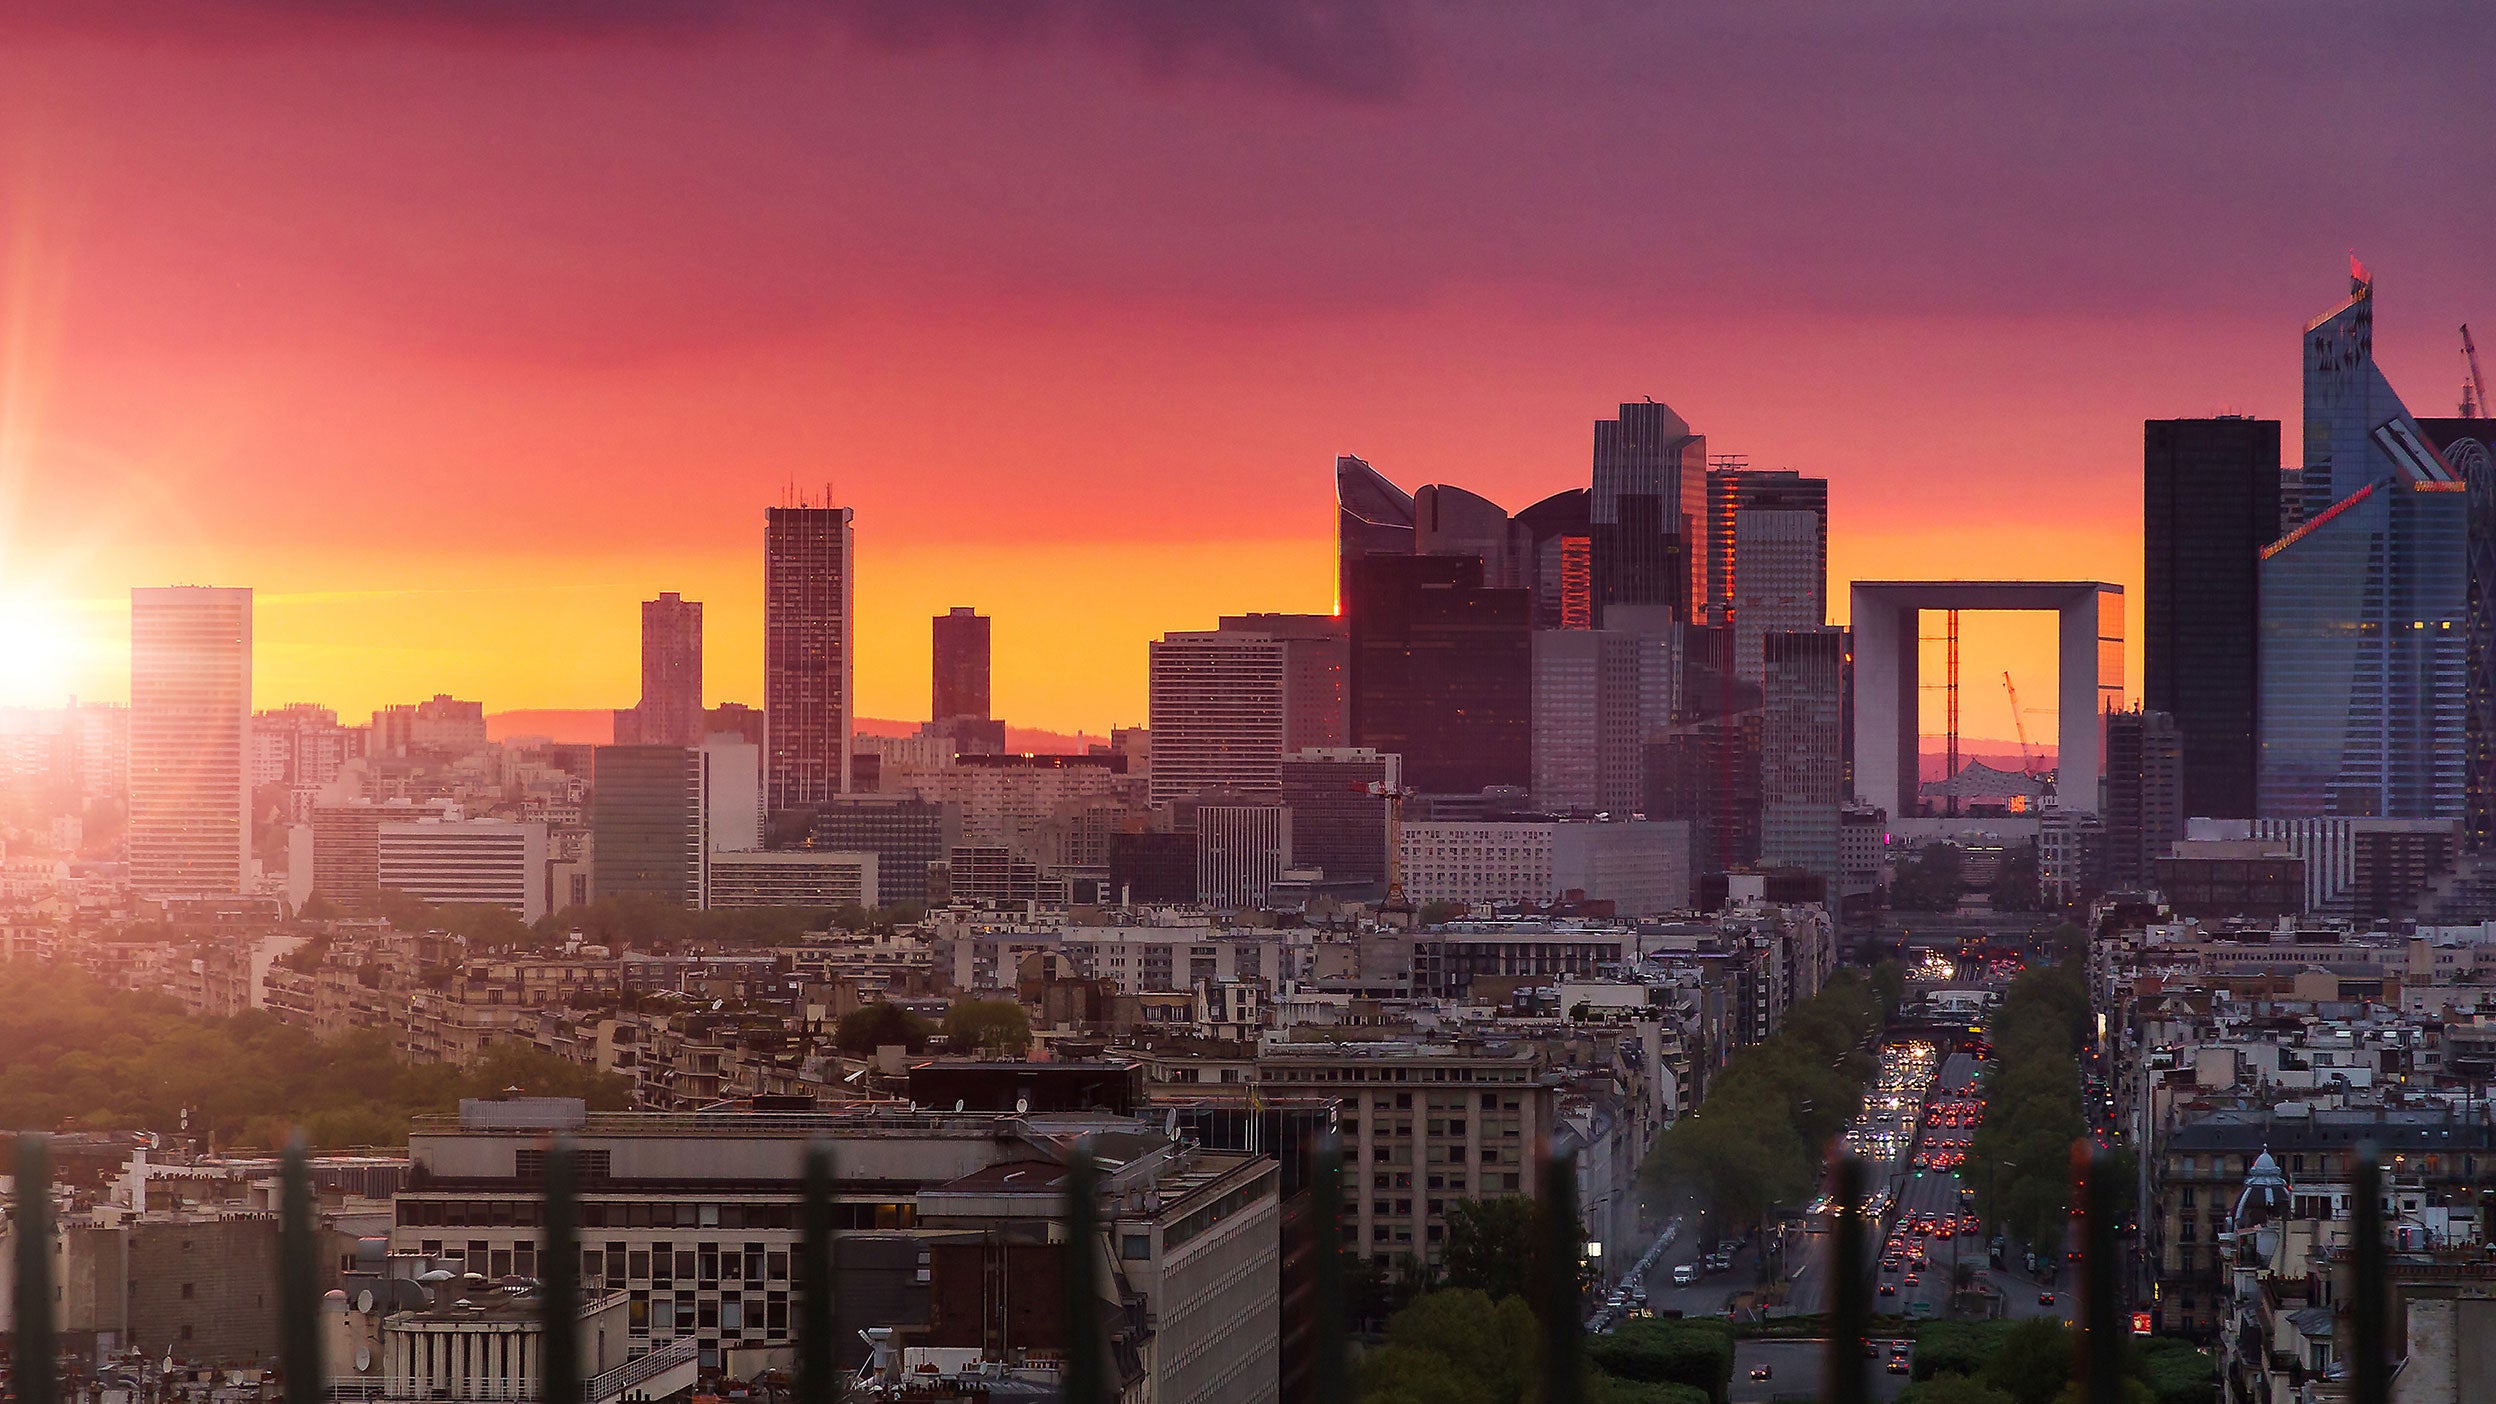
1087, 1336
299, 1281
1850, 1287
1563, 1310
32, 1355
815, 1384
2369, 1288
2101, 1335
559, 1281
1334, 1366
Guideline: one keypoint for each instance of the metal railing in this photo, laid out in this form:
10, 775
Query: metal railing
1088, 1316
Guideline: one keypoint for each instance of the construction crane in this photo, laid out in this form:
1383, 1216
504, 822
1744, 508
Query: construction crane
2474, 402
2027, 760
1950, 707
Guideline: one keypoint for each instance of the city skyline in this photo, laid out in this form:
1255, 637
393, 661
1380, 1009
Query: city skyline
535, 384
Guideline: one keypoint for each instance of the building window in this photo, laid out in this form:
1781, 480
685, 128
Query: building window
1135, 1247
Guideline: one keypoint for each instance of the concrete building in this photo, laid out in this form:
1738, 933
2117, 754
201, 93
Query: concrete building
907, 835
466, 862
190, 741
1641, 866
950, 1230
1598, 695
801, 877
1888, 686
2144, 794
1242, 851
732, 794
1316, 671
670, 711
1423, 1126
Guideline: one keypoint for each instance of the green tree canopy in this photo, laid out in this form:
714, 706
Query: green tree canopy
1492, 1245
863, 1030
997, 1027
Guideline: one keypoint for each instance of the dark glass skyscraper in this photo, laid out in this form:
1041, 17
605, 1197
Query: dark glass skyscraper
807, 586
1373, 517
1731, 490
960, 688
645, 823
2209, 504
2468, 446
1647, 511
1442, 672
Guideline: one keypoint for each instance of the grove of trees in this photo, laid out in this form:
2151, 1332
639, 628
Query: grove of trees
76, 1054
1760, 1137
2030, 1362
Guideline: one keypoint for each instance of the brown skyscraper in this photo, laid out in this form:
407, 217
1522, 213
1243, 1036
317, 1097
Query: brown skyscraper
961, 681
807, 590
670, 713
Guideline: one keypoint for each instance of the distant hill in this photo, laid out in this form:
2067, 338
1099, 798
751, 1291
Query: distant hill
585, 726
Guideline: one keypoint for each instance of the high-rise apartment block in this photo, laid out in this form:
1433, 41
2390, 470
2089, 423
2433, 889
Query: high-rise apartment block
1219, 700
2365, 607
906, 834
2210, 493
959, 687
1442, 673
670, 710
190, 740
1316, 667
809, 568
1647, 511
645, 825
1802, 742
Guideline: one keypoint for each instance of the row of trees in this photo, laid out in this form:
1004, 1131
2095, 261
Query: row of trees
2019, 1161
2030, 1362
633, 920
994, 1026
1459, 1346
76, 1054
1759, 1139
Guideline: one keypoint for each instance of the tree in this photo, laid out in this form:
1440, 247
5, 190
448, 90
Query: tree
2033, 1361
1889, 983
993, 1026
1492, 1245
879, 1025
1953, 1389
1694, 1352
1496, 1343
1439, 911
2015, 887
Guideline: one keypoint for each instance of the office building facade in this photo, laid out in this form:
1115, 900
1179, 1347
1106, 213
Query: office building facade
908, 836
809, 570
1241, 852
1218, 701
2364, 644
2468, 446
1338, 806
646, 832
1442, 673
1373, 517
1647, 512
1733, 486
1802, 776
796, 877
1780, 567
466, 862
2210, 492
1316, 669
190, 741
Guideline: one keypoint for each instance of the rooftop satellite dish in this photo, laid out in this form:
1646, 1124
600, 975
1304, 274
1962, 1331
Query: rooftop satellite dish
363, 1358
364, 1303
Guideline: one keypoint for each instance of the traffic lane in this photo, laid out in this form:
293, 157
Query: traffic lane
1706, 1296
1796, 1371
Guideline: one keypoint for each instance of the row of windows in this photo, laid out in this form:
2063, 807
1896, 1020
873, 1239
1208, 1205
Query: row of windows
530, 1213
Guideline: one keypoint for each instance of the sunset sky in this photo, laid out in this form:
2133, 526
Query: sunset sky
456, 327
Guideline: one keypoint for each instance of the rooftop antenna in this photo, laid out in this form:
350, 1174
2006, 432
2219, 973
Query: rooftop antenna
2474, 402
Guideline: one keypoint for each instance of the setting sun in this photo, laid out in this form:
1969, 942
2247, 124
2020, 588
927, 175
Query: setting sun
37, 649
